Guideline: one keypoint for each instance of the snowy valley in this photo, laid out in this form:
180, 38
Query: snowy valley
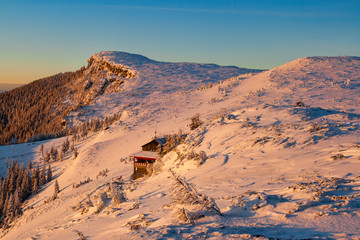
277, 155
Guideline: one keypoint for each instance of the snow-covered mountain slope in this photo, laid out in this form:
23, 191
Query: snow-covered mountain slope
282, 159
144, 81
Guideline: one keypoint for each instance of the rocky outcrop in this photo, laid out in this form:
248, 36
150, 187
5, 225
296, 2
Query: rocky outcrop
100, 77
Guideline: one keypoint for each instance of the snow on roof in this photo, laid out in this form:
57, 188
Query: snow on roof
161, 141
145, 154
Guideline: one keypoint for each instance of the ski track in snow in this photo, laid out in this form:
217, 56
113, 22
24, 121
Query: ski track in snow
268, 168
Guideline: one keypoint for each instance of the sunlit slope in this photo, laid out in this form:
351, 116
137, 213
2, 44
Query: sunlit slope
281, 151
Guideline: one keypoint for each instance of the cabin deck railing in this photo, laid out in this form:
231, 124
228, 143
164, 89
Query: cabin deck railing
137, 164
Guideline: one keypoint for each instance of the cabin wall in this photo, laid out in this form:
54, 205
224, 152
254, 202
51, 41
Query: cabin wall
151, 146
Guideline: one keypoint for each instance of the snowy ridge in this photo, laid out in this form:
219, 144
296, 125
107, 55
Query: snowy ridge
152, 80
278, 156
123, 58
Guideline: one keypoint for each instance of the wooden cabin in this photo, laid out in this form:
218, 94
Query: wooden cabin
153, 145
147, 157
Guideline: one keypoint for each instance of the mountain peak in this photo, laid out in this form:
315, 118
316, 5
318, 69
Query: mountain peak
124, 58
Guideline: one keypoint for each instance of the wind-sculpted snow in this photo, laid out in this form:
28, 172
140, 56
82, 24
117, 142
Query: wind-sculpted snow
277, 156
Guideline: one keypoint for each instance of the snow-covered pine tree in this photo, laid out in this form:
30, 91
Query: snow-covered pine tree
26, 189
56, 191
56, 187
47, 156
21, 175
35, 186
29, 164
10, 209
12, 181
42, 176
17, 202
53, 153
49, 174
65, 146
6, 203
16, 168
42, 150
35, 175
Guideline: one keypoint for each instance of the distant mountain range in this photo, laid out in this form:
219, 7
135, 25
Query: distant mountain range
8, 86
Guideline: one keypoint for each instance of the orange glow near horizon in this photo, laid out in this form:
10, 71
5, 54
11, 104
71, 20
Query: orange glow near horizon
26, 72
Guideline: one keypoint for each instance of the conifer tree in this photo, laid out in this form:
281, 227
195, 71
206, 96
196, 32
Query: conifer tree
35, 186
12, 182
10, 211
65, 145
35, 175
9, 169
56, 187
49, 174
56, 190
42, 150
26, 188
42, 177
29, 164
16, 168
17, 202
6, 203
53, 153
47, 156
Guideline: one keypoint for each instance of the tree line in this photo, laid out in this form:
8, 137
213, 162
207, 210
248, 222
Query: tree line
19, 184
35, 111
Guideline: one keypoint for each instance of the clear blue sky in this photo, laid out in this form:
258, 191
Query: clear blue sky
41, 38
